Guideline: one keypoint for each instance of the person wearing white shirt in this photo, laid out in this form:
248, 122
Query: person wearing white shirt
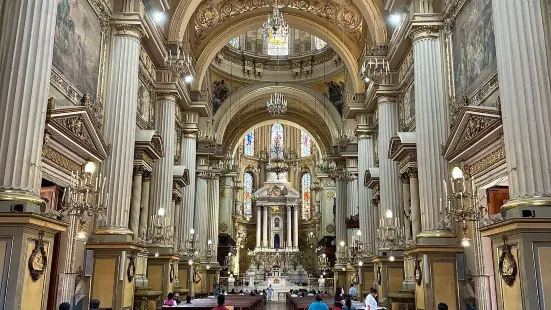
371, 301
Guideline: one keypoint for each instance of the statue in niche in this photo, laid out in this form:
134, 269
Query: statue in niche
336, 94
220, 91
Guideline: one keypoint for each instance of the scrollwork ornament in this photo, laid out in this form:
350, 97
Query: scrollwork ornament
330, 228
131, 270
171, 273
507, 264
38, 261
379, 276
417, 272
223, 227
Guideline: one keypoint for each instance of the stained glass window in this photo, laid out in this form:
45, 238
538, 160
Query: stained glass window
305, 195
277, 135
235, 42
305, 144
319, 43
249, 144
247, 194
278, 44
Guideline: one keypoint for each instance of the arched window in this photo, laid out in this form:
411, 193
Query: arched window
305, 144
276, 135
305, 182
247, 194
276, 222
319, 43
249, 144
235, 42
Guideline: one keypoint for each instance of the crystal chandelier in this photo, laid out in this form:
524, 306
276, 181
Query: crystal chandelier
275, 28
344, 137
159, 231
277, 163
327, 166
207, 136
85, 196
390, 234
277, 104
179, 62
375, 70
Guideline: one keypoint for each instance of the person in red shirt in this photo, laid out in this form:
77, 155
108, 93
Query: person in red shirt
221, 301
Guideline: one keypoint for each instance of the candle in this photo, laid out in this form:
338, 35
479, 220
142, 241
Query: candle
453, 185
472, 187
445, 189
464, 188
440, 205
86, 196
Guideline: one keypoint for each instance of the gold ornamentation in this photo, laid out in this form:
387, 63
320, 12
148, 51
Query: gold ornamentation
38, 261
488, 161
507, 264
475, 126
59, 159
225, 193
131, 270
171, 273
223, 227
330, 228
379, 276
417, 272
329, 195
131, 29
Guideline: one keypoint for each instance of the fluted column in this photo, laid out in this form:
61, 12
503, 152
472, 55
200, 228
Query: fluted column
340, 212
352, 203
365, 161
213, 189
177, 225
144, 214
265, 226
289, 231
27, 40
136, 201
295, 227
163, 170
431, 127
524, 86
200, 216
415, 209
391, 187
258, 226
120, 129
226, 199
189, 160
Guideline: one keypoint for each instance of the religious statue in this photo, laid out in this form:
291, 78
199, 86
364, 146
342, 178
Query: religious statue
231, 280
321, 281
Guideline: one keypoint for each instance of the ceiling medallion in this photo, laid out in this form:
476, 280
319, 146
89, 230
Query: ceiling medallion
277, 104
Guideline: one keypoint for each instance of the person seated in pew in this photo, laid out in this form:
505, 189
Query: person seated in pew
295, 294
337, 305
311, 293
348, 304
241, 293
232, 292
318, 304
188, 299
221, 301
177, 298
170, 300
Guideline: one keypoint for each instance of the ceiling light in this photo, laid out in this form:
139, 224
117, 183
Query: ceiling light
465, 242
395, 19
188, 79
391, 258
158, 17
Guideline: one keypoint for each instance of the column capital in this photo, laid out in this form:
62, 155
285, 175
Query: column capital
132, 30
404, 177
412, 172
190, 124
167, 96
139, 170
387, 99
424, 31
147, 175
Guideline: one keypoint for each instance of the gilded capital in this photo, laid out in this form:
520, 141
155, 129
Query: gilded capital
138, 170
146, 176
387, 98
166, 96
421, 32
133, 30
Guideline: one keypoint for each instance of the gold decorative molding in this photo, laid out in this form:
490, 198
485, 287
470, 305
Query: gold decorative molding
59, 159
420, 32
130, 29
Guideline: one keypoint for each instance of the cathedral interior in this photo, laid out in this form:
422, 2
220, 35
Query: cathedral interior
150, 147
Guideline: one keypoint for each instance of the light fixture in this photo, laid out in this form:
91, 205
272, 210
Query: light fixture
360, 263
389, 214
209, 242
391, 258
157, 253
343, 268
190, 262
161, 211
82, 236
465, 242
275, 28
90, 167
188, 79
158, 17
342, 243
277, 104
191, 231
359, 233
324, 273
395, 19
366, 79
457, 173
208, 266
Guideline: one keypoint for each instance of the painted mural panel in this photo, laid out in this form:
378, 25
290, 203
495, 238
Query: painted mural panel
474, 51
77, 44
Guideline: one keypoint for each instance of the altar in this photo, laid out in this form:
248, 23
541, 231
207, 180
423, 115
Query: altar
276, 279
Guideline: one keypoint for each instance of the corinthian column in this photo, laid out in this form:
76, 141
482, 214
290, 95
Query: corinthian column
258, 225
289, 231
189, 148
295, 227
200, 215
213, 195
226, 199
144, 214
27, 40
391, 187
365, 161
340, 212
135, 204
431, 128
120, 129
163, 174
265, 226
524, 84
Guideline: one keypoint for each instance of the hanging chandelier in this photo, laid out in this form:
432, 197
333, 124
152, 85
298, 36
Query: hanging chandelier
277, 104
275, 28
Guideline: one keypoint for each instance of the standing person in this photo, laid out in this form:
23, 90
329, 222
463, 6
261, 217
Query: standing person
170, 300
270, 291
177, 298
442, 306
221, 301
348, 305
339, 295
352, 291
318, 304
94, 304
65, 306
371, 300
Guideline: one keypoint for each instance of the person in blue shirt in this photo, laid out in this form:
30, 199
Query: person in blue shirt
318, 304
353, 292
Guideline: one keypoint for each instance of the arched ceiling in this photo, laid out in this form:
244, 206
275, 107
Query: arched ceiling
219, 38
371, 10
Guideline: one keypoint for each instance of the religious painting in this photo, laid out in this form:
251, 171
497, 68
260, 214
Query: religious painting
145, 106
335, 92
474, 50
220, 91
407, 108
77, 44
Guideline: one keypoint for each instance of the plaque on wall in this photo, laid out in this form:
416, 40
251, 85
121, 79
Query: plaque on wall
131, 270
38, 261
417, 272
507, 264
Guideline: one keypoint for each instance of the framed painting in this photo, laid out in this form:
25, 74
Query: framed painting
80, 43
473, 50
